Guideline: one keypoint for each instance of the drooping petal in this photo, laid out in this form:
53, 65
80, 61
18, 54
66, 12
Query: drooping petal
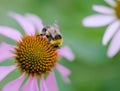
111, 30
10, 33
25, 24
51, 82
66, 52
14, 85
5, 70
5, 51
115, 45
36, 21
43, 86
31, 84
111, 2
64, 72
98, 20
103, 9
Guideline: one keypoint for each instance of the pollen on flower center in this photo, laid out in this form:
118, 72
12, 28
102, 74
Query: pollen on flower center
35, 55
117, 9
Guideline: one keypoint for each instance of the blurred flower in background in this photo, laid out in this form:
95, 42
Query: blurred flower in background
107, 16
33, 55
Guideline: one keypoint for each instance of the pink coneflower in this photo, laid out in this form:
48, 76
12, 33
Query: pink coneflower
34, 56
107, 16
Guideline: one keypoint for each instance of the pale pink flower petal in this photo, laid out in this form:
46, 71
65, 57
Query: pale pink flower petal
111, 2
10, 33
111, 30
36, 21
25, 24
31, 84
107, 17
103, 9
15, 84
51, 82
64, 72
43, 86
6, 51
66, 52
5, 70
98, 20
115, 45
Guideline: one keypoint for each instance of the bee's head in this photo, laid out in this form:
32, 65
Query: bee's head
44, 29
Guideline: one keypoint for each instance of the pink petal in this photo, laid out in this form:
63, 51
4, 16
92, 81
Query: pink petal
51, 82
15, 84
111, 30
5, 51
115, 45
66, 52
5, 70
25, 24
98, 20
111, 2
43, 86
103, 9
36, 21
64, 72
31, 84
10, 33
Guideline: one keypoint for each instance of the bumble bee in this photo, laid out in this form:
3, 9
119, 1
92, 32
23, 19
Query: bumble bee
53, 35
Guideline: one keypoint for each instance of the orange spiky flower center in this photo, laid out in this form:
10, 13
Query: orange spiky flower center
35, 55
117, 9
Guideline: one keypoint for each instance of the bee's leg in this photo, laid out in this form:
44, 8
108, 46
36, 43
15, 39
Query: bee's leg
49, 37
40, 34
56, 46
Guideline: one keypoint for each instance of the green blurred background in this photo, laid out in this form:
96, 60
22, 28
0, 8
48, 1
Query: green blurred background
91, 70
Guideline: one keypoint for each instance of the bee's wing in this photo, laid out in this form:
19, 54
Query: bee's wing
56, 26
37, 22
